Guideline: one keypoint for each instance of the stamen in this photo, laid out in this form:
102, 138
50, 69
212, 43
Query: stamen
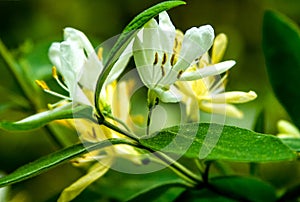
100, 53
42, 84
173, 60
155, 59
45, 88
164, 60
55, 76
163, 72
179, 74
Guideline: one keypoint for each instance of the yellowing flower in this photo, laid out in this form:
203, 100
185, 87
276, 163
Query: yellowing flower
207, 93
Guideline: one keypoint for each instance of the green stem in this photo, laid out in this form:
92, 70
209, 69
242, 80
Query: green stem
179, 169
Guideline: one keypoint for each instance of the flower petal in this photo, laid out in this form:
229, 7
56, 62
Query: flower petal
224, 109
94, 173
171, 95
285, 127
75, 36
231, 97
211, 70
219, 47
195, 43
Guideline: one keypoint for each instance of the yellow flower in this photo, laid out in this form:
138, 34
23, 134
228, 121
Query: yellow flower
207, 93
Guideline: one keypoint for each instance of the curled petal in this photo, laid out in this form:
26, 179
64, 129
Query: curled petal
211, 70
171, 95
219, 47
224, 109
231, 97
195, 43
75, 36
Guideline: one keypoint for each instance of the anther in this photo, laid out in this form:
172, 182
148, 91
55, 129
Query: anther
54, 72
42, 84
163, 72
173, 60
164, 59
179, 74
155, 59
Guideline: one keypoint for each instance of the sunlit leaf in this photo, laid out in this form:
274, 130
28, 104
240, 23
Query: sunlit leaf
281, 46
49, 161
125, 38
226, 143
41, 119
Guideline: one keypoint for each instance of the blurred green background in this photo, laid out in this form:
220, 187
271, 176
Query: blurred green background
33, 25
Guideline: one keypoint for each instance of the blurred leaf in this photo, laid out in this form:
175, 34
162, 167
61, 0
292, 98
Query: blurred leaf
281, 46
125, 38
127, 185
232, 188
293, 143
155, 192
41, 119
219, 143
47, 162
36, 61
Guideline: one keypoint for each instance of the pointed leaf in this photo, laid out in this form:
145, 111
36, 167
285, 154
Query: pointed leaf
281, 46
125, 38
47, 162
220, 142
41, 119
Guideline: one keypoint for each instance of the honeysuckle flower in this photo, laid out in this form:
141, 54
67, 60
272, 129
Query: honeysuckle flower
80, 66
287, 130
160, 65
208, 93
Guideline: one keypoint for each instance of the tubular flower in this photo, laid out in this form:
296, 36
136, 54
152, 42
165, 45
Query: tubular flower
207, 93
80, 66
160, 66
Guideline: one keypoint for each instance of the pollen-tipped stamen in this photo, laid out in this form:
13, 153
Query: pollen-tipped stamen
55, 76
45, 88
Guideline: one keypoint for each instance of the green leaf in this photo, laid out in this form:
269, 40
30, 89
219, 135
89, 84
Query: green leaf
130, 30
281, 47
293, 143
247, 188
231, 188
217, 142
47, 162
155, 193
41, 119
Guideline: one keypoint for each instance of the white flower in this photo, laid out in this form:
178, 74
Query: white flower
208, 93
80, 66
158, 63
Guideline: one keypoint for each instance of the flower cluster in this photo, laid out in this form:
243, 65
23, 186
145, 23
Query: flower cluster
175, 67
